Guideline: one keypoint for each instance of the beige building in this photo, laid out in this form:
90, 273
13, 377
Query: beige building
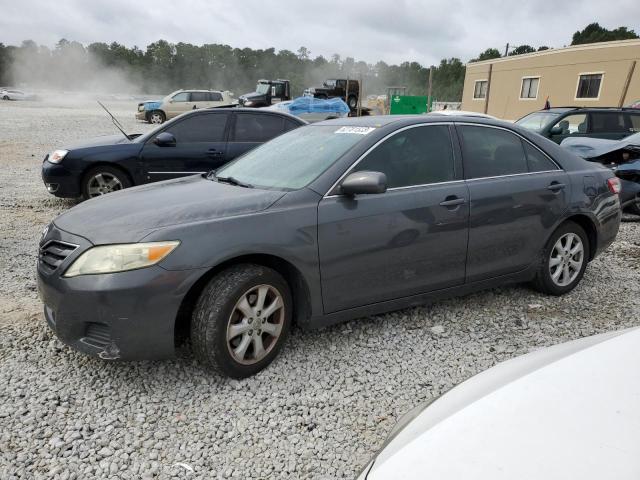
595, 75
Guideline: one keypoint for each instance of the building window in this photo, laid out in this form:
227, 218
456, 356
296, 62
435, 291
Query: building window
589, 85
480, 89
529, 88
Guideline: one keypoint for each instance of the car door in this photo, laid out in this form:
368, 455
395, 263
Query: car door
609, 125
252, 129
178, 104
200, 147
517, 195
573, 125
409, 240
199, 100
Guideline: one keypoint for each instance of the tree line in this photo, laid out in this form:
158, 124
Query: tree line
162, 67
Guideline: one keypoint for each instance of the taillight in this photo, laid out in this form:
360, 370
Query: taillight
614, 185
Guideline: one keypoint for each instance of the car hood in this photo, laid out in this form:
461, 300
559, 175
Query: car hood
569, 411
253, 96
103, 140
129, 215
586, 147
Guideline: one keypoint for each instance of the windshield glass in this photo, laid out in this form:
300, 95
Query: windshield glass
293, 160
536, 121
262, 88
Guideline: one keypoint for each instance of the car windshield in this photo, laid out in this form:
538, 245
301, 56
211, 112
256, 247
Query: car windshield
293, 160
537, 121
262, 88
330, 83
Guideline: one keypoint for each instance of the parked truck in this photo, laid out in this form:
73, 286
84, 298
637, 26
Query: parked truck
267, 93
337, 88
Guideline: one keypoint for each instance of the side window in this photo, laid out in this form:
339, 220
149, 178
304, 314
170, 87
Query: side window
290, 125
215, 97
181, 97
607, 122
491, 152
200, 128
634, 120
538, 161
572, 124
416, 156
199, 96
257, 128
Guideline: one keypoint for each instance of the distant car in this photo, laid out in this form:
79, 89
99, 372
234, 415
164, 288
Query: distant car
337, 88
564, 412
182, 101
331, 221
12, 94
565, 122
460, 113
195, 142
622, 156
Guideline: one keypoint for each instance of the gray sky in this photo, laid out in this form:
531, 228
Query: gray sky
389, 30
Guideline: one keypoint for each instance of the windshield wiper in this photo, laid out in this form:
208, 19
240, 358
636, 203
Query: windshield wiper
115, 121
233, 181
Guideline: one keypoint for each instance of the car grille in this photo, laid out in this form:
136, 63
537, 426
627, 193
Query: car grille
53, 253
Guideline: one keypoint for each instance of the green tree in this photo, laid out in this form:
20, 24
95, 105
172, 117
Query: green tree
488, 54
522, 49
594, 33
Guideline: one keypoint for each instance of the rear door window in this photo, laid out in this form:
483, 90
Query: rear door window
416, 156
536, 160
199, 96
491, 152
634, 121
573, 124
608, 122
257, 127
208, 127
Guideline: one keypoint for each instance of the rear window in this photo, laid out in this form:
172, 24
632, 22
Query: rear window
257, 127
215, 97
634, 119
608, 122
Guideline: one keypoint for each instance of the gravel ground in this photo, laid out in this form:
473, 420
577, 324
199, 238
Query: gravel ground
319, 412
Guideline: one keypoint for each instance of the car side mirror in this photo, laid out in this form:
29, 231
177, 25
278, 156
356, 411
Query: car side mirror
363, 183
165, 139
556, 130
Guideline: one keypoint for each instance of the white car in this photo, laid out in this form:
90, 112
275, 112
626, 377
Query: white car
461, 113
571, 411
12, 94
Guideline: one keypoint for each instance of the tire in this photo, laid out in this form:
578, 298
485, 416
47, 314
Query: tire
634, 208
156, 117
218, 310
102, 180
352, 101
569, 267
6, 97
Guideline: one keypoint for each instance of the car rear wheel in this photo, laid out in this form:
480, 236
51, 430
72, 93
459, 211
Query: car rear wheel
634, 208
102, 180
241, 320
157, 117
564, 260
6, 97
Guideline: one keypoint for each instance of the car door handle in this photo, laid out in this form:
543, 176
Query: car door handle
556, 187
452, 201
214, 153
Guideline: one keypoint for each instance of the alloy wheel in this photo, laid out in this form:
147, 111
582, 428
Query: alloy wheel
103, 183
566, 259
255, 324
155, 118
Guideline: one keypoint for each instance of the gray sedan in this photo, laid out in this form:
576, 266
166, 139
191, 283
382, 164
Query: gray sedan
341, 219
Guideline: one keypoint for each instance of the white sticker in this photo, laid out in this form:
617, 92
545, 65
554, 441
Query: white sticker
356, 130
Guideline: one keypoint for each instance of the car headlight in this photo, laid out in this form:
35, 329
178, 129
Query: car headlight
248, 102
120, 258
57, 156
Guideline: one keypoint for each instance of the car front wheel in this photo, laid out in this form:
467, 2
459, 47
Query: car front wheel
157, 117
102, 180
241, 320
564, 260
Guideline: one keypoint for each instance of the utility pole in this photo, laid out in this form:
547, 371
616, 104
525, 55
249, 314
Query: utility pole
430, 88
506, 50
360, 93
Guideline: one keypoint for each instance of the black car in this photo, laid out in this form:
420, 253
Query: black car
567, 122
340, 219
195, 142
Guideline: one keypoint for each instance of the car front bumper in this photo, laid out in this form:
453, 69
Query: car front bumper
141, 115
126, 315
60, 181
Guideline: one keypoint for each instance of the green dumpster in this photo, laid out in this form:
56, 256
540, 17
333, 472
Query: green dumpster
407, 104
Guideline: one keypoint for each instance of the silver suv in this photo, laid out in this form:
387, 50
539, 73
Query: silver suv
182, 101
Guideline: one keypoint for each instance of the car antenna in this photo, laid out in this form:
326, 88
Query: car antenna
114, 120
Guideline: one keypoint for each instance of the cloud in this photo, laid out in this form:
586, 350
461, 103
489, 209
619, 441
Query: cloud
390, 30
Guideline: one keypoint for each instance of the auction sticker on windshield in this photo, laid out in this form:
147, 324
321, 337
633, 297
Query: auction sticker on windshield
357, 130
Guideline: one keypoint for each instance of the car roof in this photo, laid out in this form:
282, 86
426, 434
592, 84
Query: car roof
260, 111
402, 120
586, 109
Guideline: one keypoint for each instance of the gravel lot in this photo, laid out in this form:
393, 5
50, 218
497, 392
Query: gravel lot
319, 412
